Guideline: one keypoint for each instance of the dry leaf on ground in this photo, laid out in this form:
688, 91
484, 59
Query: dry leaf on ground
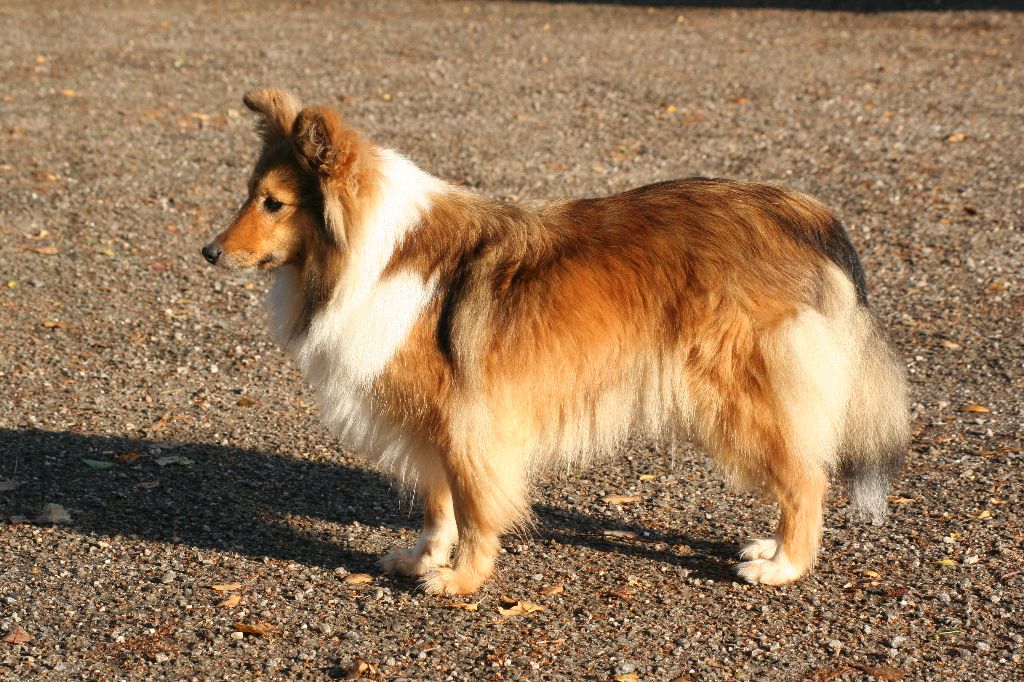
260, 629
627, 677
465, 606
620, 499
358, 667
357, 578
127, 456
226, 587
54, 513
624, 593
976, 408
17, 636
557, 588
231, 602
246, 402
512, 607
174, 459
620, 534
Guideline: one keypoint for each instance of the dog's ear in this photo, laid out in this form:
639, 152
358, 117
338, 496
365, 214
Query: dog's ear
277, 110
322, 142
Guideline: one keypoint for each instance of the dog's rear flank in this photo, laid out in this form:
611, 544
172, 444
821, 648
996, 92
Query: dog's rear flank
875, 425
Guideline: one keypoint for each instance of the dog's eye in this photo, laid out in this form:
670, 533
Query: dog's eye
272, 204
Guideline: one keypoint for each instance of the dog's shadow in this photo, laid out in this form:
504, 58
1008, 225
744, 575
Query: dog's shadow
258, 504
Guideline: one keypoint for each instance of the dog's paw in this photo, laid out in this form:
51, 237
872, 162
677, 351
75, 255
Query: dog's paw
774, 571
762, 548
448, 581
409, 561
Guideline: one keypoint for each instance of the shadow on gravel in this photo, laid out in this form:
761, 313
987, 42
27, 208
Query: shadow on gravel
705, 559
863, 6
258, 504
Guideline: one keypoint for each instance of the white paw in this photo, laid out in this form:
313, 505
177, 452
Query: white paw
762, 548
409, 561
775, 571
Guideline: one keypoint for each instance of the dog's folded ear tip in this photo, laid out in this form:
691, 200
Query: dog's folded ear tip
262, 99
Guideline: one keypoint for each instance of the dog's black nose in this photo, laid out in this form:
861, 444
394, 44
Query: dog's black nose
211, 252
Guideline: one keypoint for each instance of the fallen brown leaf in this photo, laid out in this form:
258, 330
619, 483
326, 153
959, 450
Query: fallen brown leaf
45, 250
174, 459
557, 588
620, 499
358, 667
624, 593
54, 513
627, 677
54, 324
357, 578
231, 601
465, 606
127, 456
976, 408
246, 402
956, 137
511, 607
260, 629
901, 500
620, 534
226, 587
17, 636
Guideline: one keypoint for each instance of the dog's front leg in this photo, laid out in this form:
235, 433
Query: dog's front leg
489, 497
435, 542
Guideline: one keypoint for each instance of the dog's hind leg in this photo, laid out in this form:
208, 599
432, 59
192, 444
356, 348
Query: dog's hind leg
435, 542
794, 548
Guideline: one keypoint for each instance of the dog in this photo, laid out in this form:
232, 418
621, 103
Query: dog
464, 344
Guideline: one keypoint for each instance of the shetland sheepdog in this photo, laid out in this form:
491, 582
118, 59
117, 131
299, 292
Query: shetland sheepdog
463, 344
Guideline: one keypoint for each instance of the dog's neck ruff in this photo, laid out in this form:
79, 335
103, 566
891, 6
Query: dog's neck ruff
350, 340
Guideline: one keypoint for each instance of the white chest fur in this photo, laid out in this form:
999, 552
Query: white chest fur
350, 342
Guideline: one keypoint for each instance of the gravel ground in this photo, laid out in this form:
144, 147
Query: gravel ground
142, 395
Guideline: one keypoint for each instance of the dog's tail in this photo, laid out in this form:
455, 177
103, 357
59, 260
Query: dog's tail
877, 425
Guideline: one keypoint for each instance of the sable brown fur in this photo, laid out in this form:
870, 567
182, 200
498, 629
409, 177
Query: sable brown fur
464, 344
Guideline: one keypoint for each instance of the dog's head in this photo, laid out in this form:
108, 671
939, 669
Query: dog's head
308, 183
